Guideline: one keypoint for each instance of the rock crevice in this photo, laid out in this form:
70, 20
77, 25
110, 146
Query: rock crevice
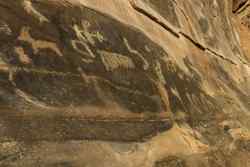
124, 83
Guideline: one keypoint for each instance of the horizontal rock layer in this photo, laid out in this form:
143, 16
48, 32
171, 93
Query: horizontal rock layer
154, 83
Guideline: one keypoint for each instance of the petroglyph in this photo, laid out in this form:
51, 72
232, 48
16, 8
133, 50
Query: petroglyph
12, 71
160, 83
113, 61
38, 44
4, 28
27, 5
163, 94
86, 34
159, 73
175, 92
143, 86
87, 53
147, 48
23, 57
145, 63
84, 39
84, 76
30, 99
3, 66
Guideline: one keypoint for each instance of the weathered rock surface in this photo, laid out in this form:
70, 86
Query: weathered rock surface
135, 83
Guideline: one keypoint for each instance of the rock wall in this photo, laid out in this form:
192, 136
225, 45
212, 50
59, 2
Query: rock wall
135, 83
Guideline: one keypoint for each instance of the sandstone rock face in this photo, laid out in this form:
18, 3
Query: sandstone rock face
135, 83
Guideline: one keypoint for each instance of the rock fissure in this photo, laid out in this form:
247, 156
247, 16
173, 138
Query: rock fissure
156, 20
153, 83
180, 33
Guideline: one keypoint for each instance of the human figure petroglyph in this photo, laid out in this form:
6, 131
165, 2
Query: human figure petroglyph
38, 44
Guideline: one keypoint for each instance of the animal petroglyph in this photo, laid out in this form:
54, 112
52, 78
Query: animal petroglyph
86, 34
27, 5
38, 44
23, 57
113, 61
145, 63
84, 39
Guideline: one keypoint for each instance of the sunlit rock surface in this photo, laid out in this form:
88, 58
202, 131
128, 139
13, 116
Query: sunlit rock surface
135, 83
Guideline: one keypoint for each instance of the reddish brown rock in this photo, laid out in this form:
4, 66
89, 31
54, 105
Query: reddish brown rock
124, 83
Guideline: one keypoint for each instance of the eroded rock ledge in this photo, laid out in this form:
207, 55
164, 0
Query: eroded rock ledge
124, 83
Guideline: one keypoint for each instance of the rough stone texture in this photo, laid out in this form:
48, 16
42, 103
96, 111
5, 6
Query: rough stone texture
114, 83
